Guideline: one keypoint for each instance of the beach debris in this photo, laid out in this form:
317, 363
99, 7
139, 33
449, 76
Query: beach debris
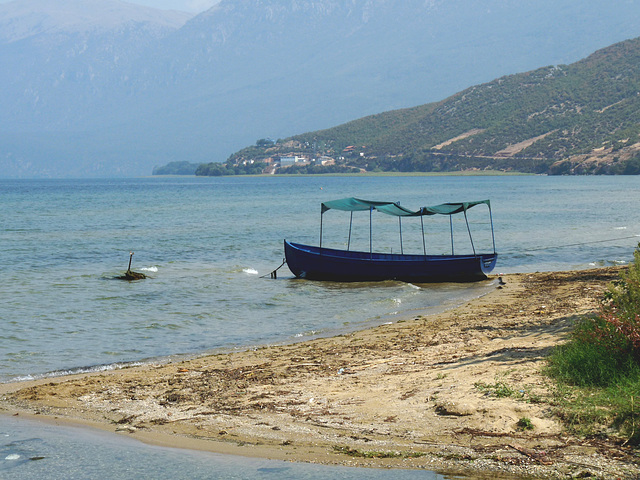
455, 408
539, 456
129, 275
126, 429
345, 371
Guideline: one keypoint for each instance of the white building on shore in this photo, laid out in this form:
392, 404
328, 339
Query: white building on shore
287, 161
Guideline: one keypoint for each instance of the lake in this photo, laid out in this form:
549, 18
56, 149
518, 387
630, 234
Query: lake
207, 243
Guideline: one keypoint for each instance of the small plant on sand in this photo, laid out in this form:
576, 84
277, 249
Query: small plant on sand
498, 389
525, 424
598, 369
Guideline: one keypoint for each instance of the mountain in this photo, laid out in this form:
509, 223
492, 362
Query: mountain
61, 58
37, 18
60, 62
100, 87
564, 119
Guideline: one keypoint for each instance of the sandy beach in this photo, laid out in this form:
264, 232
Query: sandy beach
423, 391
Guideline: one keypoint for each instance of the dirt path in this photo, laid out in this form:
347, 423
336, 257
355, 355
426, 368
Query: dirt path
443, 392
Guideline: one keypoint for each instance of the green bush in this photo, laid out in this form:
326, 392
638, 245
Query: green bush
596, 356
619, 323
605, 349
598, 369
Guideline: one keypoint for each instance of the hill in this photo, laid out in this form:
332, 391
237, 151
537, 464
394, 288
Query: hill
102, 87
581, 118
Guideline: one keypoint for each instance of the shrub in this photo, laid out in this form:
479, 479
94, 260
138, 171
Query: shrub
602, 363
621, 310
605, 349
596, 356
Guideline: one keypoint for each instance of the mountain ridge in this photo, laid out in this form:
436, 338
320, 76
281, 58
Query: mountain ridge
22, 19
578, 118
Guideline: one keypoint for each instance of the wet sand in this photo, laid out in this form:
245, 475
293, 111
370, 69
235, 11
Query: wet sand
423, 392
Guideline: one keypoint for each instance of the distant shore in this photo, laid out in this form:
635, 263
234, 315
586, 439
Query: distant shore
421, 393
456, 173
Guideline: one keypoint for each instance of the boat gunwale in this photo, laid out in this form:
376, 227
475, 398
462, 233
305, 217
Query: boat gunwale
382, 256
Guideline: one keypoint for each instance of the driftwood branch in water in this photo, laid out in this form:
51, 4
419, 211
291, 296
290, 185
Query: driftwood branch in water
129, 275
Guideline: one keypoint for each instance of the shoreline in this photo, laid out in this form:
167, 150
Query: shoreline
422, 390
174, 358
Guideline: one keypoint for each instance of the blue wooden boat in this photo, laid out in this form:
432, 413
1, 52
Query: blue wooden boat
321, 263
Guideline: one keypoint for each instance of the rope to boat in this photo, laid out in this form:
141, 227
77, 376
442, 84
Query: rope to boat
274, 274
582, 243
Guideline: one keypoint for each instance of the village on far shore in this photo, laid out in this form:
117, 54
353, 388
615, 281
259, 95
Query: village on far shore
276, 162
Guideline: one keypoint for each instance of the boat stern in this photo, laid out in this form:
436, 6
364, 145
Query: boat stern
488, 263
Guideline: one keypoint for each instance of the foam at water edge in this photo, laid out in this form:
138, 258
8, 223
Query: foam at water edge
62, 373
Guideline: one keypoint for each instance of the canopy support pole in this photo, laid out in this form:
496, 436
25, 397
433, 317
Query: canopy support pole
469, 230
493, 238
401, 247
451, 228
321, 216
424, 245
370, 233
350, 224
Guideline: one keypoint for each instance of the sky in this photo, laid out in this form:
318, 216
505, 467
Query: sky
192, 6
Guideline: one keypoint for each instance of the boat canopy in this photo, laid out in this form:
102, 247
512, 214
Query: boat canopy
353, 204
393, 208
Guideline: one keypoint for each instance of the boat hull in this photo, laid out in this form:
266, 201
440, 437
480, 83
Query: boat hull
317, 263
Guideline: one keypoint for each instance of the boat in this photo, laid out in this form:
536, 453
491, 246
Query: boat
321, 263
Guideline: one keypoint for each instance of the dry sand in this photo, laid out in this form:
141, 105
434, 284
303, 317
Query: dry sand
423, 388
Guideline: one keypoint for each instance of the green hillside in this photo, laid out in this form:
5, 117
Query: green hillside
582, 118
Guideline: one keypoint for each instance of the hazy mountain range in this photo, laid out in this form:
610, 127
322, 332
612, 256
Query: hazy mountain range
102, 87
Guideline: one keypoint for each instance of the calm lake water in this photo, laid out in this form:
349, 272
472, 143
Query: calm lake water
205, 243
34, 450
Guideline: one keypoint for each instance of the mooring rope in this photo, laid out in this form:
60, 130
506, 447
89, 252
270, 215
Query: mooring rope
274, 273
582, 243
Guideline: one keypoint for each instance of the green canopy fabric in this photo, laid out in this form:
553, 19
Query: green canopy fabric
452, 208
390, 208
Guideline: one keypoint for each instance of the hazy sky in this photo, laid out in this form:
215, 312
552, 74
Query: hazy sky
194, 6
